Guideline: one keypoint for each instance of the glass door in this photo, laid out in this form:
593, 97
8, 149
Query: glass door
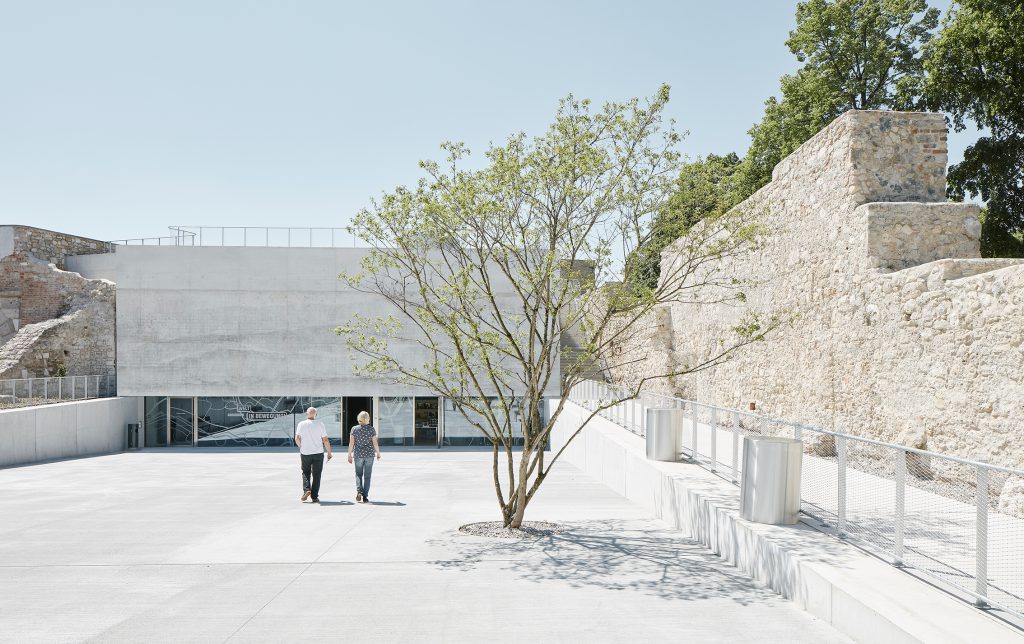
181, 425
425, 422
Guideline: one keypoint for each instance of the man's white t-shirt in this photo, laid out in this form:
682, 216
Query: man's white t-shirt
311, 433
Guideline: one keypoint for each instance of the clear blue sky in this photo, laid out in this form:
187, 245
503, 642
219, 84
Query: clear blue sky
118, 119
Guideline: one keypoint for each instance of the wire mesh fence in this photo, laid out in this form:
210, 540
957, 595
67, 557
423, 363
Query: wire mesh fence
938, 514
21, 392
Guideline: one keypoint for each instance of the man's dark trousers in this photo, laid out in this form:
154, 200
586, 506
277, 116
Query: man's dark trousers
312, 463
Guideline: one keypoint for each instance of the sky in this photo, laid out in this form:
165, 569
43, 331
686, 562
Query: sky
119, 119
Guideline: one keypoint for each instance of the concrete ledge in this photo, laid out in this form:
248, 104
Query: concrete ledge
862, 597
65, 430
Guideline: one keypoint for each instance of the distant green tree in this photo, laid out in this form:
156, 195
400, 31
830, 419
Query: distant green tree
976, 72
704, 187
857, 55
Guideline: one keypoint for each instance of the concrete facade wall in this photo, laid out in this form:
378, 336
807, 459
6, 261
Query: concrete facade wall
251, 321
65, 430
896, 330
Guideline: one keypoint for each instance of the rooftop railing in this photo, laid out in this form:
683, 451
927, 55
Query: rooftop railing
267, 236
938, 515
22, 392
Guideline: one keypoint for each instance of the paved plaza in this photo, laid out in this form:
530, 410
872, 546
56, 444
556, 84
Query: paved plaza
213, 545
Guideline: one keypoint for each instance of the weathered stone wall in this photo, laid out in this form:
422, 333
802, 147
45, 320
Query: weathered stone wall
24, 299
895, 328
66, 324
48, 245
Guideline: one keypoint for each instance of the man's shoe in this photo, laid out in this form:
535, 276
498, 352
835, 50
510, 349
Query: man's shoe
366, 499
316, 500
359, 497
305, 495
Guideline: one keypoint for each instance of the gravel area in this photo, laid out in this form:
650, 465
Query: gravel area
494, 529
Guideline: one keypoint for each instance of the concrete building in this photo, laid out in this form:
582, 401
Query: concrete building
228, 345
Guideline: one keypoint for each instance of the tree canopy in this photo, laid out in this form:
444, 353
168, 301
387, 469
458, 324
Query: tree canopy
705, 187
856, 55
976, 72
503, 279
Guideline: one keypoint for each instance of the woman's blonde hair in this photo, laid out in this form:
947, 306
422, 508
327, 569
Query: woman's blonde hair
363, 418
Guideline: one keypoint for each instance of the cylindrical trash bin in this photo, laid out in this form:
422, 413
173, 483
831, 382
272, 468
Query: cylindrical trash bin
133, 435
770, 487
664, 434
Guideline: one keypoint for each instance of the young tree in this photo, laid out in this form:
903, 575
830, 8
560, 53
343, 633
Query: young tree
485, 270
976, 71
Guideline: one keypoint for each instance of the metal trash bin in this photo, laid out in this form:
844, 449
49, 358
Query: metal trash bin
770, 486
664, 434
133, 435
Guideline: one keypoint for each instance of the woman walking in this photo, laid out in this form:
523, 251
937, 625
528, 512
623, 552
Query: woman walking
362, 445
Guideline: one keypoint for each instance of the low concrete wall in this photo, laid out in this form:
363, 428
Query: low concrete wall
64, 430
862, 597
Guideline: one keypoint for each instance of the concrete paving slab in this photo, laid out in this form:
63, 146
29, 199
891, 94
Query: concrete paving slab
214, 546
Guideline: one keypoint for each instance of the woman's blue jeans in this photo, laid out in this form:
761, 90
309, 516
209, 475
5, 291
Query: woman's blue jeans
364, 468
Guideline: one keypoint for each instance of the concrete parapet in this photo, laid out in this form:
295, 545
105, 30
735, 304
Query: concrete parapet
65, 430
862, 597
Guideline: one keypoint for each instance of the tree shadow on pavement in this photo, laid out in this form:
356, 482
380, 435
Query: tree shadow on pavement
611, 556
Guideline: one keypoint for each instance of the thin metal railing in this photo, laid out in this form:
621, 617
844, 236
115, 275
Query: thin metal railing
20, 392
938, 514
250, 236
270, 236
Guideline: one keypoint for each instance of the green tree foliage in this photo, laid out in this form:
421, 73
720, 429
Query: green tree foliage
482, 271
856, 55
976, 72
705, 187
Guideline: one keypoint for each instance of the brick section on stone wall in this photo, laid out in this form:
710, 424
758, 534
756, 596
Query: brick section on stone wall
54, 321
53, 246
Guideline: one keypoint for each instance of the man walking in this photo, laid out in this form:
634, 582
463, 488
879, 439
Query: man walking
311, 437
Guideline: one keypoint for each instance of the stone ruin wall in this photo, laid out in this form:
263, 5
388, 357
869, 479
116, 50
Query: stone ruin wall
897, 329
47, 245
52, 321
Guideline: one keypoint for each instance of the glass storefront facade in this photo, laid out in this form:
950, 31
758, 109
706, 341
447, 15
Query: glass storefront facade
269, 421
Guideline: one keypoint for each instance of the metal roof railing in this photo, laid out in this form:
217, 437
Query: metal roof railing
266, 236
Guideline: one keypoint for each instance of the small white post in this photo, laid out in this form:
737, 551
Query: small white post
981, 537
735, 446
714, 439
841, 503
901, 495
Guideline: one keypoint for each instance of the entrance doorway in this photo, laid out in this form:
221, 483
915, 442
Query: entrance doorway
425, 421
351, 407
181, 427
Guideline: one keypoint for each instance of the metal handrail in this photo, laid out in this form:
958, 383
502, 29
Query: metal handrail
843, 490
59, 388
290, 236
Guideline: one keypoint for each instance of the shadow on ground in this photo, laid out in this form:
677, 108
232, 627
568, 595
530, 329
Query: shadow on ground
610, 556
